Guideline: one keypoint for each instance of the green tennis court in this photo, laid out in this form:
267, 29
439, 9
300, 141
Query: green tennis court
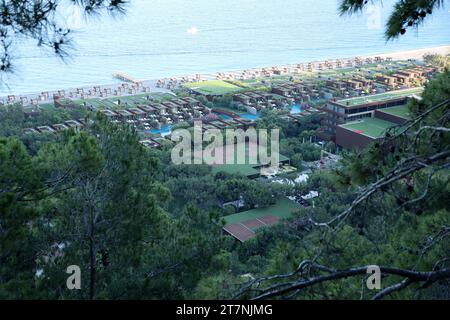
282, 209
371, 127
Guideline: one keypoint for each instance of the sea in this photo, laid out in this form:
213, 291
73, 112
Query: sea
165, 38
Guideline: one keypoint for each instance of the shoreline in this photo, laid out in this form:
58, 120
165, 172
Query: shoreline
416, 53
151, 84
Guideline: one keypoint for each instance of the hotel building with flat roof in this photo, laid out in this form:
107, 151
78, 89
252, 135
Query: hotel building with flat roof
357, 134
339, 112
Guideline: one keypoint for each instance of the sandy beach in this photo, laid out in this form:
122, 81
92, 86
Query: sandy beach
416, 54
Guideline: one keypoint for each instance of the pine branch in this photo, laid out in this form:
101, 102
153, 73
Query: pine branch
410, 276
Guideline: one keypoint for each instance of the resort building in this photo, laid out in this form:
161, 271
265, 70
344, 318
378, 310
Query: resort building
242, 98
45, 129
145, 117
291, 89
138, 114
340, 112
387, 80
192, 102
160, 108
358, 134
403, 79
260, 99
180, 103
31, 111
74, 124
397, 115
124, 115
30, 131
148, 110
336, 84
355, 83
111, 115
414, 76
60, 127
171, 107
150, 143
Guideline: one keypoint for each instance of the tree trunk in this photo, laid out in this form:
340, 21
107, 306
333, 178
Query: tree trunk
92, 261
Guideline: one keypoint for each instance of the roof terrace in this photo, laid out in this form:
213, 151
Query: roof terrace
381, 97
399, 111
371, 127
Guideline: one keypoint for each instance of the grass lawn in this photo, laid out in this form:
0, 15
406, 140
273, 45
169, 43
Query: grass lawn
380, 97
97, 103
47, 106
108, 103
399, 111
244, 169
371, 127
282, 209
111, 103
213, 87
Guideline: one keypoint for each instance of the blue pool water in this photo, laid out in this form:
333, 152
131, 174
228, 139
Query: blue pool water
164, 131
296, 109
224, 117
249, 116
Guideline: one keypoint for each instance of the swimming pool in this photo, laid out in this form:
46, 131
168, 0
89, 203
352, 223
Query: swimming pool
164, 131
224, 116
296, 108
249, 116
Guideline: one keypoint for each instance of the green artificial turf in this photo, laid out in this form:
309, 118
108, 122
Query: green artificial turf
356, 101
282, 209
399, 111
371, 127
213, 87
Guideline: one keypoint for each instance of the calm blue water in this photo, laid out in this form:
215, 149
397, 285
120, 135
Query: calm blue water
224, 116
165, 130
249, 116
296, 109
162, 38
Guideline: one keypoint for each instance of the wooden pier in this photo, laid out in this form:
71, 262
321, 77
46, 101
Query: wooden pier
125, 77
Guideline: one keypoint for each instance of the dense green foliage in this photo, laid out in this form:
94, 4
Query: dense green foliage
125, 214
140, 227
92, 200
403, 223
437, 60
